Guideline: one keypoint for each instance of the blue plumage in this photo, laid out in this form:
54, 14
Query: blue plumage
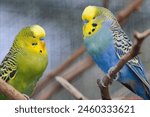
106, 51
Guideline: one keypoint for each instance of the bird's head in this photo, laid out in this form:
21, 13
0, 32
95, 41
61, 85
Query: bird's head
93, 18
89, 13
32, 38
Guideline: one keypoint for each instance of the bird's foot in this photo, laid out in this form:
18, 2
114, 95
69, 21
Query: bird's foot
102, 83
26, 96
110, 71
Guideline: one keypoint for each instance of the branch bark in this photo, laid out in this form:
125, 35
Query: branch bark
103, 85
10, 92
70, 88
106, 3
126, 12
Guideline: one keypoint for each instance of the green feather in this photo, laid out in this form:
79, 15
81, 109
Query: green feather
25, 63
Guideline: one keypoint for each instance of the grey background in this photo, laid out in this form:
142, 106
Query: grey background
62, 21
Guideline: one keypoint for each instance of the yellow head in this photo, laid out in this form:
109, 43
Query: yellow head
32, 39
90, 12
93, 17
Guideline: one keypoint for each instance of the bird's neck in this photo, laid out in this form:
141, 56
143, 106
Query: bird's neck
100, 41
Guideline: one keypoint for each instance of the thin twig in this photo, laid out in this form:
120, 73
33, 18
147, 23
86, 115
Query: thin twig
145, 34
106, 3
139, 38
70, 88
10, 92
126, 12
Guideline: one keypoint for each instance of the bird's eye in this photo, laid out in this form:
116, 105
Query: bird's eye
93, 17
34, 44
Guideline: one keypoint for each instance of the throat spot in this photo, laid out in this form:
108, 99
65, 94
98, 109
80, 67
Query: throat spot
41, 51
93, 30
90, 29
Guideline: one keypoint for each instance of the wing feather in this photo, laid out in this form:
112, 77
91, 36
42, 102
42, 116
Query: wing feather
122, 45
8, 68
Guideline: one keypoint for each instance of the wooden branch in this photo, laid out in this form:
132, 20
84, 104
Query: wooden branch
106, 3
104, 91
103, 85
78, 68
69, 75
70, 88
125, 13
60, 69
143, 35
10, 92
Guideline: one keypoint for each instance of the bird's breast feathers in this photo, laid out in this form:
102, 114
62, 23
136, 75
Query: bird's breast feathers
99, 41
32, 62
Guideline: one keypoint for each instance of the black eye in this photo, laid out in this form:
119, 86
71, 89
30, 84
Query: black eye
93, 17
34, 44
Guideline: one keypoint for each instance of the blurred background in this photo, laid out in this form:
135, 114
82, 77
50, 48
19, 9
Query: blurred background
62, 21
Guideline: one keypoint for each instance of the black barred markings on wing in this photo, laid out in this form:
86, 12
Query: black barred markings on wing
122, 42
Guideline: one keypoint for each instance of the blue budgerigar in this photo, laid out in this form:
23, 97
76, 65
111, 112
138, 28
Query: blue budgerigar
106, 43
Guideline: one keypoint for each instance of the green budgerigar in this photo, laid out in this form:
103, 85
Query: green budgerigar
26, 60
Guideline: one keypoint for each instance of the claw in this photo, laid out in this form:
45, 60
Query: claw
102, 83
26, 96
109, 71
